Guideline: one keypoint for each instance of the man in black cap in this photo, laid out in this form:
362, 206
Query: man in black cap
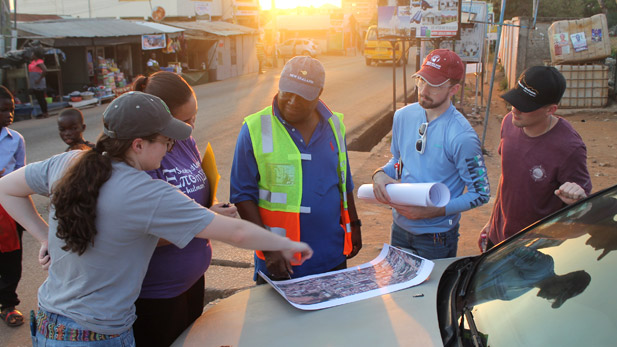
543, 159
291, 175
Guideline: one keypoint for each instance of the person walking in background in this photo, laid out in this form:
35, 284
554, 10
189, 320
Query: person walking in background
433, 142
36, 75
291, 174
12, 157
106, 217
172, 294
71, 127
543, 159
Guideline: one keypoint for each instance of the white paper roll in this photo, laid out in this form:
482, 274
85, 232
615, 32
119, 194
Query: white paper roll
414, 194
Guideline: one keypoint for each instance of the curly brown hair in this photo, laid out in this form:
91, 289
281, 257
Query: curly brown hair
75, 195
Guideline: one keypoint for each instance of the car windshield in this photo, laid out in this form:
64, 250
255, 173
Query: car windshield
372, 35
552, 285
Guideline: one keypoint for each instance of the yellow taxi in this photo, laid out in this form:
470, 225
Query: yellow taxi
377, 51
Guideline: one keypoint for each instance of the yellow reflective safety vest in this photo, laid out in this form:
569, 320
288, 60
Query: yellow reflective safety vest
280, 175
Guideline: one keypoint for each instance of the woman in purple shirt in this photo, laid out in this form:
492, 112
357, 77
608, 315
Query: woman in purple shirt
172, 294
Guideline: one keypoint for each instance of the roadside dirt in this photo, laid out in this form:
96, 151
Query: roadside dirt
597, 127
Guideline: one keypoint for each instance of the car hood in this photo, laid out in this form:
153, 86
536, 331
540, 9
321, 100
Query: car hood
261, 317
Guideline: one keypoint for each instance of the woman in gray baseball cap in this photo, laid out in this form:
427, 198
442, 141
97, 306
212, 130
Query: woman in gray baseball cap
106, 217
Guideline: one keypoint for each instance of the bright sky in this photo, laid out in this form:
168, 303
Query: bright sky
286, 4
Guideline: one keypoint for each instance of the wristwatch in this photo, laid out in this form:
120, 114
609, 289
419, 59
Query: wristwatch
356, 223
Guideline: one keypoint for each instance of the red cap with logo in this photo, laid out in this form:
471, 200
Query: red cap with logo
441, 65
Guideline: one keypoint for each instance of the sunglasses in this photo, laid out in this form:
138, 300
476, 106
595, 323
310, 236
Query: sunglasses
434, 90
421, 142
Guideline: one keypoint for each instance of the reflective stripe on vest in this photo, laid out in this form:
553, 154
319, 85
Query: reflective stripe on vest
337, 125
280, 184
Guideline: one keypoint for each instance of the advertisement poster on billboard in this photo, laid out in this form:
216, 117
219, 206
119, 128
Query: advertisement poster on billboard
471, 42
421, 19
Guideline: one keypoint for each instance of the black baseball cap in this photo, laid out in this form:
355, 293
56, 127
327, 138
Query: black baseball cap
537, 86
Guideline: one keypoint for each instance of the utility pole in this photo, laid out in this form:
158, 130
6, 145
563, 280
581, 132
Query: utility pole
275, 32
490, 89
3, 27
14, 31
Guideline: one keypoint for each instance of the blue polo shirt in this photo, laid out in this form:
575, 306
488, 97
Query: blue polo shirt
321, 228
12, 150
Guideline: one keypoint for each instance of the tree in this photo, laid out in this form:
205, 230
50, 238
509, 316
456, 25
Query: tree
559, 9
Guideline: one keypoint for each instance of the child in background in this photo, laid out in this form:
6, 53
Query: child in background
12, 157
71, 127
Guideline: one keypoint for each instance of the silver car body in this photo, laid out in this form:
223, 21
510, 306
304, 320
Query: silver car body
262, 317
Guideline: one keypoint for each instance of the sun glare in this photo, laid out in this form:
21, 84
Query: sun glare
287, 4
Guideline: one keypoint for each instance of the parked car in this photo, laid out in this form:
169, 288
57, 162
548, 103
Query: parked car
379, 51
549, 285
292, 47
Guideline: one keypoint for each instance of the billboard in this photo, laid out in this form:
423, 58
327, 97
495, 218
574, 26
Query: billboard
421, 19
470, 45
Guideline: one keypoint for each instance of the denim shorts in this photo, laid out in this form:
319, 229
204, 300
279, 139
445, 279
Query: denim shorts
428, 246
54, 330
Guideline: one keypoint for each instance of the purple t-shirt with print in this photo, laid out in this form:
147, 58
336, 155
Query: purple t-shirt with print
532, 168
172, 270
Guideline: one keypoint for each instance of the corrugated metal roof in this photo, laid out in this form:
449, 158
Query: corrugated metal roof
162, 27
96, 27
215, 28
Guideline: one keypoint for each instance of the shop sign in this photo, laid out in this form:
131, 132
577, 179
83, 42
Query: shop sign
154, 41
203, 8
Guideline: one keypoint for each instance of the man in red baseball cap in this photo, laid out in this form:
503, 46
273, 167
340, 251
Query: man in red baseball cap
440, 66
433, 142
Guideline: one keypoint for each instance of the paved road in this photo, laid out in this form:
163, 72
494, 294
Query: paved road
362, 93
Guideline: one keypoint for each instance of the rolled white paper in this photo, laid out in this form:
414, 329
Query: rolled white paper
414, 194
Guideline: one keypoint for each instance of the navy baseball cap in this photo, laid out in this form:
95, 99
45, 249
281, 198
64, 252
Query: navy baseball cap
304, 76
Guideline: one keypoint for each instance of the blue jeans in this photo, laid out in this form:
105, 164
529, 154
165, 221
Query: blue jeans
428, 246
125, 339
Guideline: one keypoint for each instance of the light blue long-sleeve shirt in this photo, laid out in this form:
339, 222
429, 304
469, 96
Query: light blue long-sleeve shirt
452, 156
12, 150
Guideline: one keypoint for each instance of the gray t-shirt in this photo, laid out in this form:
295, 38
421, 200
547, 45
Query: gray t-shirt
34, 77
98, 289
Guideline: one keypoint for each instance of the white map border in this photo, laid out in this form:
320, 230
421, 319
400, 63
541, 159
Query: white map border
394, 269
